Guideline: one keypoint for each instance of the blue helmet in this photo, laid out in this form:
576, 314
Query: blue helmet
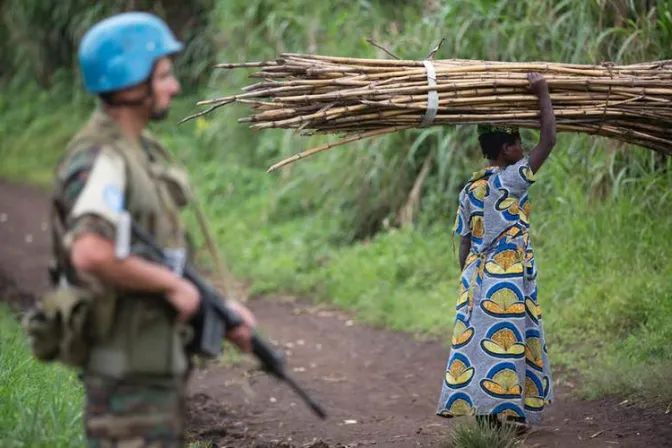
120, 51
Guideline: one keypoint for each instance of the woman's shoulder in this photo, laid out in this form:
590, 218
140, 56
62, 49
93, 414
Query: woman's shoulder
516, 177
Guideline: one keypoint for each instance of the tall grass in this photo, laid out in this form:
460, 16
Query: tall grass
41, 404
367, 184
39, 39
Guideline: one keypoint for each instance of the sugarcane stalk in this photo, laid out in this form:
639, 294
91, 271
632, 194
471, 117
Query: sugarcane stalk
363, 98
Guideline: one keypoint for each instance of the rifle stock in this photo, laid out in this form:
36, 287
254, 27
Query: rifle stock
207, 341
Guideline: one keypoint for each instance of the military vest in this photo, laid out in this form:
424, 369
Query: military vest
126, 335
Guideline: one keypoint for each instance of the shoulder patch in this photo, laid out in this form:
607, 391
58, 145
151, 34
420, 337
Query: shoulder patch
103, 194
113, 197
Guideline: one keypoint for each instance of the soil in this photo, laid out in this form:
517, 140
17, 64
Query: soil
379, 388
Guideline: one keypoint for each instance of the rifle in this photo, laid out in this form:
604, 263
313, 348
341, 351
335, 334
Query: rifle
213, 319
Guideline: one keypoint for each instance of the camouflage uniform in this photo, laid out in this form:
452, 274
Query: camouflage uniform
135, 390
128, 345
126, 414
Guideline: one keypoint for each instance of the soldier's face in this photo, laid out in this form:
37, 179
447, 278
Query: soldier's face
164, 87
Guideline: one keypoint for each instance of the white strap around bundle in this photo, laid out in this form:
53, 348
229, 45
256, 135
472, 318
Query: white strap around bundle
432, 95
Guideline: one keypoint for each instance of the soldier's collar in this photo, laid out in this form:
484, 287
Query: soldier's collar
105, 123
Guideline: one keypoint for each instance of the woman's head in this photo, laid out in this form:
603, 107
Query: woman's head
500, 144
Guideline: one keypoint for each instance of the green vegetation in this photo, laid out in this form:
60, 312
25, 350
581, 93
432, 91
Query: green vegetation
39, 39
41, 404
481, 435
329, 227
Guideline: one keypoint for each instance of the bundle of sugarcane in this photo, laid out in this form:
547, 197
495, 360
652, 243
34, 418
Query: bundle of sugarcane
362, 98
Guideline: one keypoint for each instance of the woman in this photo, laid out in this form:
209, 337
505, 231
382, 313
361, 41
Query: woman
498, 369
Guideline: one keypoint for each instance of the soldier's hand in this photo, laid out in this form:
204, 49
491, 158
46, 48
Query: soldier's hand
185, 298
242, 336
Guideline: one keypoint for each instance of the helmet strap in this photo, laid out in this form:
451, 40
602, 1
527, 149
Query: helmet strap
108, 98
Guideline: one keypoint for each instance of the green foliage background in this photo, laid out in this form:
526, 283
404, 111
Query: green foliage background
328, 227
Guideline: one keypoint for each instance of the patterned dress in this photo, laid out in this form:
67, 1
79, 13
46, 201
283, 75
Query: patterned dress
498, 364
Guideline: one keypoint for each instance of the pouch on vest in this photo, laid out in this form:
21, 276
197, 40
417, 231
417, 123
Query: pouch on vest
151, 334
58, 327
145, 341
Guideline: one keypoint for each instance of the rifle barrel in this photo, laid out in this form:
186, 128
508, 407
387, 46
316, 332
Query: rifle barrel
317, 409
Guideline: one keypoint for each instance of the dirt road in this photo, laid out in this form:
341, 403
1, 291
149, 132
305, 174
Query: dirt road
379, 387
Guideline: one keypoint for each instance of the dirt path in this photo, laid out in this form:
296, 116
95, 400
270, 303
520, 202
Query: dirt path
378, 387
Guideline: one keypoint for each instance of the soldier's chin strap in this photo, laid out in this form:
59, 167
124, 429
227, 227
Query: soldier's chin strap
108, 98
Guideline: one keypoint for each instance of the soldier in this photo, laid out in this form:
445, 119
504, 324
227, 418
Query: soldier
135, 367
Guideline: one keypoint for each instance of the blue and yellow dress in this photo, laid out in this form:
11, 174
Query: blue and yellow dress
498, 364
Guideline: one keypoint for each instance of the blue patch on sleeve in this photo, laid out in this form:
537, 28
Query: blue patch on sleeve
113, 198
